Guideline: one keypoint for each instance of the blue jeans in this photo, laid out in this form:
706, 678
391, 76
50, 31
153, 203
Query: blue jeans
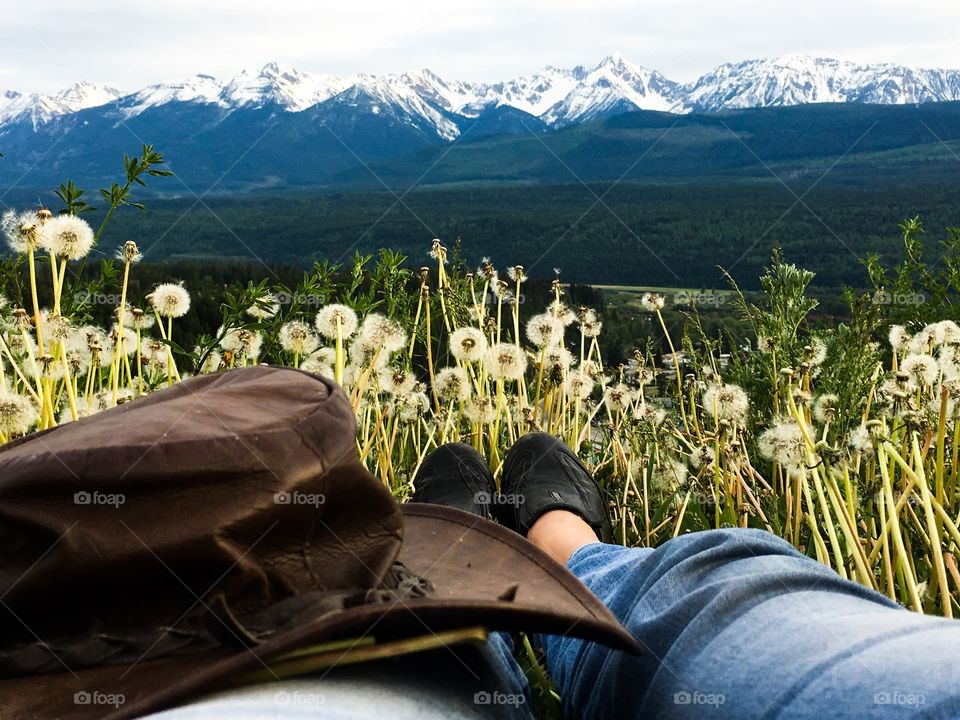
734, 624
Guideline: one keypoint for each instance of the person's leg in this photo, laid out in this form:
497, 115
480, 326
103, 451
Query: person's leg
738, 624
466, 683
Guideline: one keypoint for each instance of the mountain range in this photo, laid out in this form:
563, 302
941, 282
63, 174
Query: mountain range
303, 128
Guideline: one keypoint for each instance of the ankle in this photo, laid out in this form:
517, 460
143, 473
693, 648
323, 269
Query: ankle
560, 533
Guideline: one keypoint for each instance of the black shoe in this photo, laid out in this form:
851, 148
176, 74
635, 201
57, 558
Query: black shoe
540, 473
457, 476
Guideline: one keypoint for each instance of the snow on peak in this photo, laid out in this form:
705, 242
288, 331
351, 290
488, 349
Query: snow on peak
41, 109
799, 79
557, 96
196, 89
282, 85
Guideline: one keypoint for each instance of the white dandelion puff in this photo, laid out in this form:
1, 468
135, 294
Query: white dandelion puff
652, 302
861, 440
296, 337
922, 369
506, 361
783, 443
170, 300
452, 384
480, 410
468, 344
18, 414
617, 398
378, 331
825, 408
898, 337
67, 236
22, 230
579, 384
726, 402
544, 330
327, 317
557, 360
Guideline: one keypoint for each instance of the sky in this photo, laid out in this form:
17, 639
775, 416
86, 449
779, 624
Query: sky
46, 45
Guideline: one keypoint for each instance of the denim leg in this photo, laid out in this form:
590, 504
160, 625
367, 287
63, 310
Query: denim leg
481, 682
738, 624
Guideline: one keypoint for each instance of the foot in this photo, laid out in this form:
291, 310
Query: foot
541, 474
457, 476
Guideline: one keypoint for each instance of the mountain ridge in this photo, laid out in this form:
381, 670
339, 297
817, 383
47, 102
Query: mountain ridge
558, 97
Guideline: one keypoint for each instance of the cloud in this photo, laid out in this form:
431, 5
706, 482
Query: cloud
46, 46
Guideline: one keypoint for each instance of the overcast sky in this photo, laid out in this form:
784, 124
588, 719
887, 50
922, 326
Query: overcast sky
46, 45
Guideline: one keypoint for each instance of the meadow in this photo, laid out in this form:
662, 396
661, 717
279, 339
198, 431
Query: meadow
837, 429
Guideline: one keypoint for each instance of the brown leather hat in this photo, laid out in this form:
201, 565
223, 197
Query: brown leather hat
223, 531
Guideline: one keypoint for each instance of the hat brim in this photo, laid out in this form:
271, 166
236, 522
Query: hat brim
483, 575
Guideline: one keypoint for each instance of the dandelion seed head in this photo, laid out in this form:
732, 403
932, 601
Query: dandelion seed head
327, 317
18, 414
668, 475
861, 440
468, 344
816, 353
110, 342
452, 384
922, 369
480, 410
783, 443
617, 398
898, 337
564, 314
170, 300
381, 332
726, 402
516, 274
211, 363
397, 381
558, 359
825, 408
320, 362
129, 253
579, 384
505, 361
703, 456
652, 302
949, 332
651, 414
411, 406
297, 337
67, 236
242, 341
137, 319
22, 230
949, 362
544, 330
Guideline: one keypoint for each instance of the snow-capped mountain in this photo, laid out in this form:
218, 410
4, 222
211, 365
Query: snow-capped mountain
797, 80
556, 97
40, 109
